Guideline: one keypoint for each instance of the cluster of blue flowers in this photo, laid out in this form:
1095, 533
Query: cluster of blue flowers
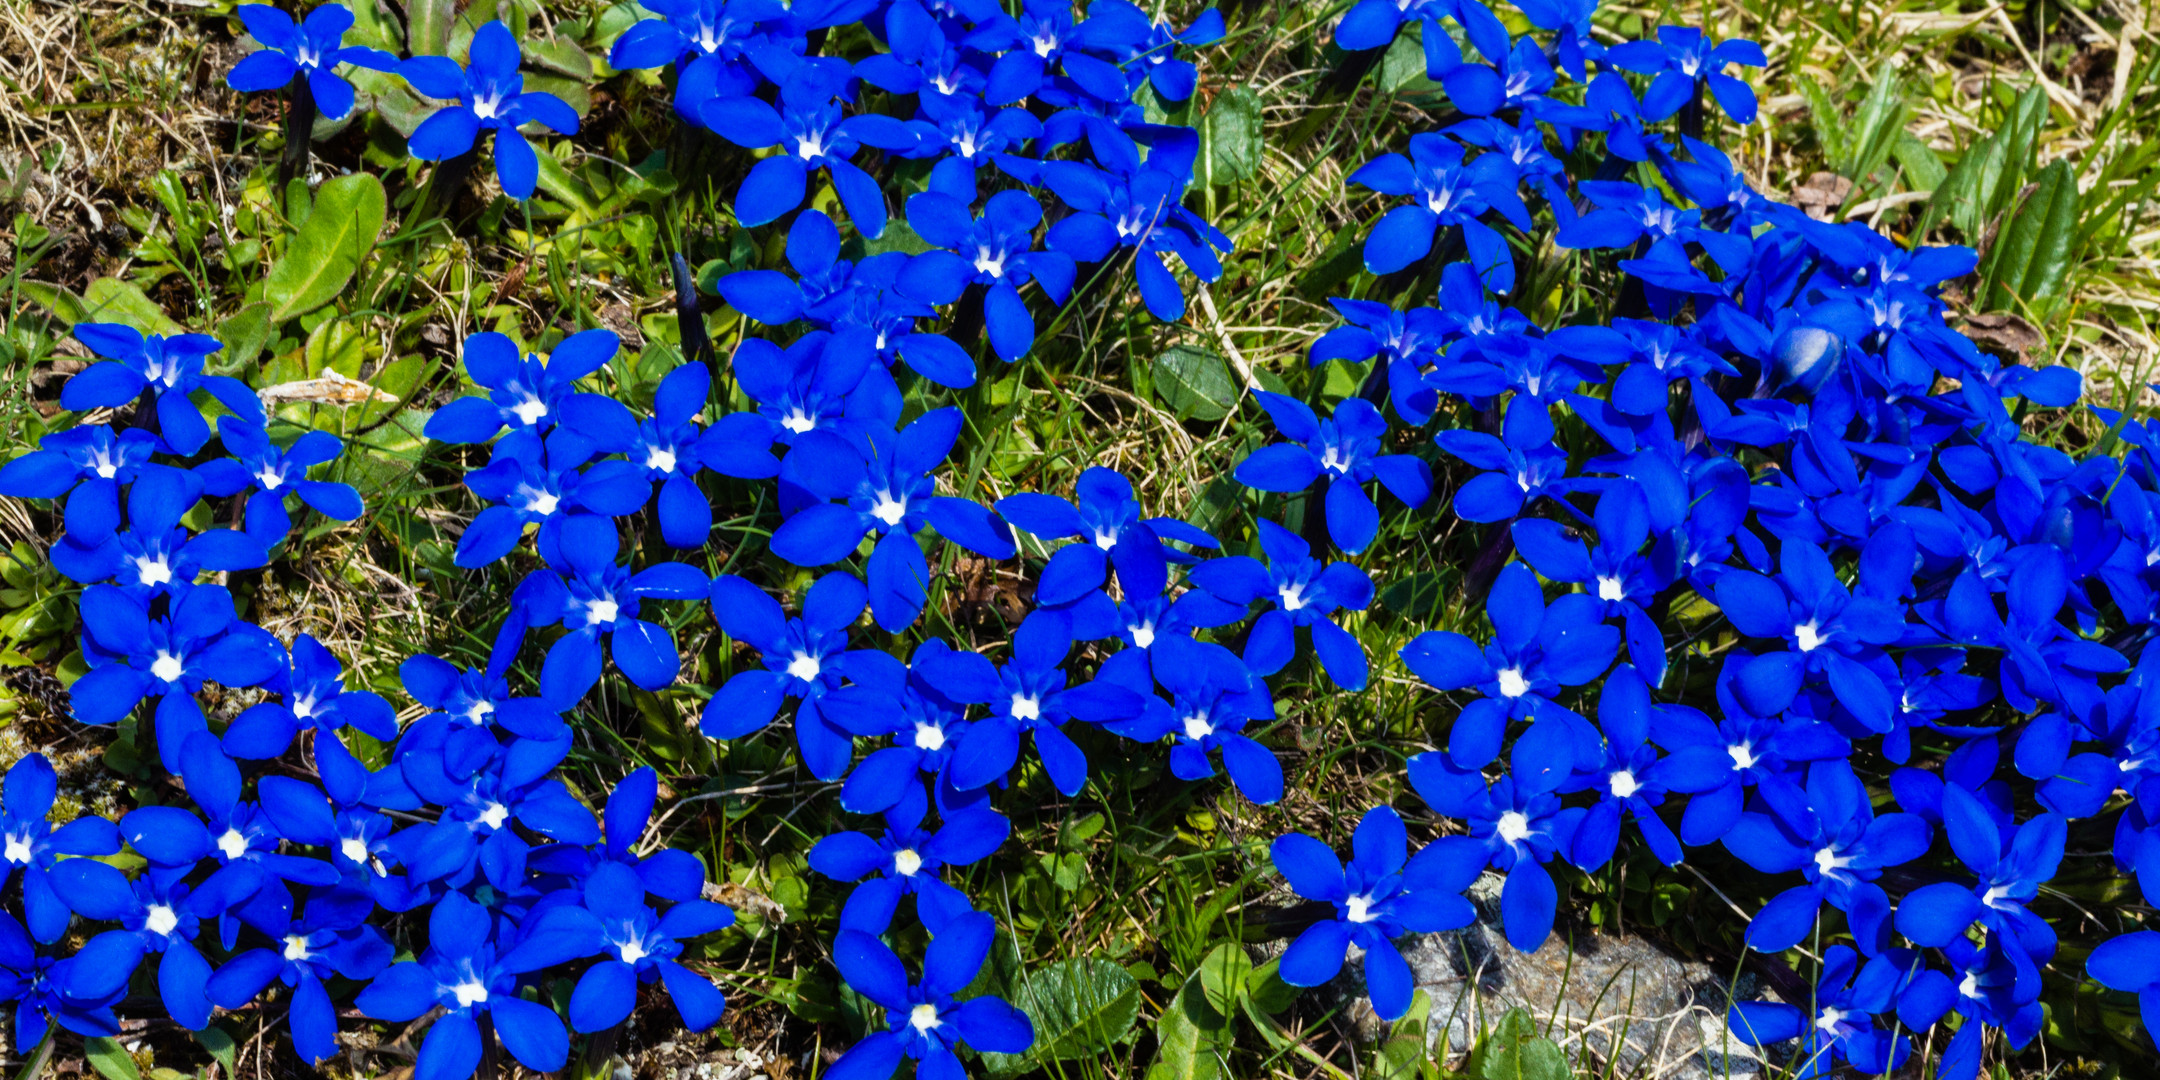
1778, 421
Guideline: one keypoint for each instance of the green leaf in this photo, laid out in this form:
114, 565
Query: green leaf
1266, 990
1189, 1037
2030, 262
1079, 1007
1823, 115
1230, 137
121, 301
109, 1060
219, 1044
559, 55
1514, 1051
65, 305
1194, 383
329, 248
37, 1059
1923, 169
245, 332
1875, 130
428, 27
1403, 1056
1222, 976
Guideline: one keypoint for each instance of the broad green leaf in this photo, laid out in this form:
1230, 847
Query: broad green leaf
1402, 67
219, 1044
329, 248
427, 31
1823, 114
244, 333
1223, 974
559, 55
2031, 258
121, 301
1923, 169
1189, 1037
1230, 137
1194, 383
1079, 1007
1403, 1055
64, 304
1875, 129
1513, 1050
109, 1060
1266, 990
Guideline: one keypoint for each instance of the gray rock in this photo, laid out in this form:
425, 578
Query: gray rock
1614, 1001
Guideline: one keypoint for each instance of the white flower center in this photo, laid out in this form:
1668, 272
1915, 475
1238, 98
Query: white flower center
923, 1018
660, 459
232, 844
1994, 898
1513, 826
303, 707
494, 816
988, 263
905, 862
18, 849
1197, 727
1332, 461
1807, 636
529, 411
1512, 683
159, 919
269, 479
485, 109
479, 712
166, 667
601, 612
153, 572
542, 503
929, 736
1044, 45
1105, 539
1358, 909
797, 422
810, 146
106, 468
469, 994
631, 951
1743, 755
804, 667
1830, 1019
1969, 986
888, 509
1292, 596
1623, 784
1610, 590
1143, 635
1026, 707
296, 947
354, 849
1828, 861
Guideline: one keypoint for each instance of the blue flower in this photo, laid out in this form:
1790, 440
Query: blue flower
479, 800
2011, 866
313, 49
708, 41
1156, 53
1835, 838
86, 465
30, 843
1569, 20
1684, 61
1027, 694
1615, 569
853, 300
521, 393
40, 988
1517, 825
908, 860
1406, 342
155, 556
171, 368
820, 381
133, 656
315, 698
670, 448
469, 973
591, 597
330, 940
1377, 899
1518, 472
995, 251
273, 473
1373, 24
238, 835
638, 946
1535, 652
1715, 763
1344, 448
154, 917
811, 133
925, 727
888, 492
923, 1020
2130, 963
1107, 521
1214, 695
1630, 780
805, 658
535, 481
1304, 593
490, 95
1446, 192
668, 873
1843, 1027
478, 700
1831, 631
1989, 992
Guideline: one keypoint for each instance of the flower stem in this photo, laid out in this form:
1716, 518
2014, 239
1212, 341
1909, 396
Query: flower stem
299, 130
